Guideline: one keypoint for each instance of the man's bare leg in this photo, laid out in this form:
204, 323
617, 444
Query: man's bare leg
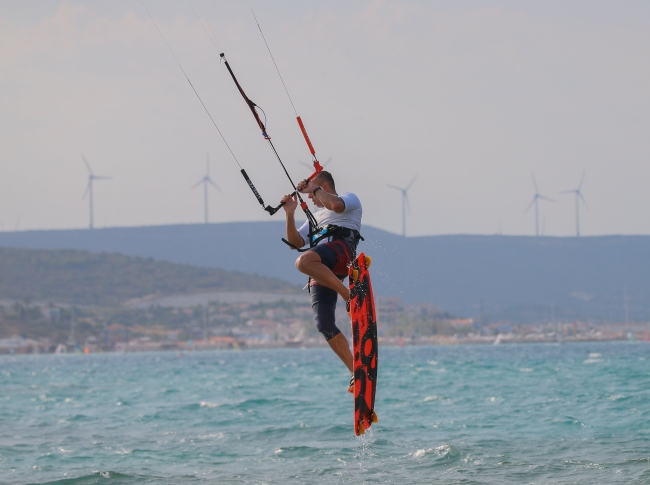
310, 263
339, 345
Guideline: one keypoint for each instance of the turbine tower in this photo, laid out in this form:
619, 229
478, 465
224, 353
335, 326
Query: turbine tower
535, 202
89, 188
579, 196
405, 202
205, 181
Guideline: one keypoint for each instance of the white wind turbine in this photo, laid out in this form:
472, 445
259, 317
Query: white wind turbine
311, 166
579, 196
535, 202
205, 181
405, 202
89, 188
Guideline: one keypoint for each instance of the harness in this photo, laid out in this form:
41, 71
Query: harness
350, 236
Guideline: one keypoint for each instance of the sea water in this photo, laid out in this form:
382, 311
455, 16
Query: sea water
520, 414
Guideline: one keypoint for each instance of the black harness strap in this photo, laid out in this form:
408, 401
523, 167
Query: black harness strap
346, 234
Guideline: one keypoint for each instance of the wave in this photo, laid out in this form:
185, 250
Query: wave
442, 455
98, 477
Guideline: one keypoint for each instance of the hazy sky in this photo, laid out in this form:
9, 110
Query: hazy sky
470, 96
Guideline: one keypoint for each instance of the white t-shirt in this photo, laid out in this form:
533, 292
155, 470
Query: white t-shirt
350, 217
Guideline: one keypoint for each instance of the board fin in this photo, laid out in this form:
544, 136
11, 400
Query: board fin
355, 274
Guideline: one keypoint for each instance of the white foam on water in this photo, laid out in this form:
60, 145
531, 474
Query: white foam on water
525, 369
219, 436
439, 450
421, 453
206, 404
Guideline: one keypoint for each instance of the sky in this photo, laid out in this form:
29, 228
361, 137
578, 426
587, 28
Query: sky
472, 97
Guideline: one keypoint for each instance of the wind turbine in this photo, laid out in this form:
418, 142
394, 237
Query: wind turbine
311, 166
535, 202
205, 181
578, 197
89, 187
405, 202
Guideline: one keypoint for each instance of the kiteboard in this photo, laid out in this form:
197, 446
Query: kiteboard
364, 343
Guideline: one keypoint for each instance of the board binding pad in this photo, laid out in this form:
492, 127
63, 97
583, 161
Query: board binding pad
364, 343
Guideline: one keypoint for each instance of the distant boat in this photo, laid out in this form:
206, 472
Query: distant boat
61, 349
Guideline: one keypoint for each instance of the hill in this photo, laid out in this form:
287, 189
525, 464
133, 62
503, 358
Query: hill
516, 278
108, 279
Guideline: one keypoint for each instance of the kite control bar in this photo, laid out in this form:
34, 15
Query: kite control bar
317, 168
253, 108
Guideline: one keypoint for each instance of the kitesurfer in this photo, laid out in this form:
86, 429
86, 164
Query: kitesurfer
332, 250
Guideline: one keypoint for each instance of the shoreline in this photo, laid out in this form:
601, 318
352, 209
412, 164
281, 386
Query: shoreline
33, 347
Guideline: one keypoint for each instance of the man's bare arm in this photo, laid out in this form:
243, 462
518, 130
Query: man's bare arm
327, 197
293, 236
331, 201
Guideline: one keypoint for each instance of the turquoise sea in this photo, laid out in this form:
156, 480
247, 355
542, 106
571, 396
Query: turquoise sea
520, 414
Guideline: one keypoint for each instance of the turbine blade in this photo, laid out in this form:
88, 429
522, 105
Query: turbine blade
411, 182
207, 164
583, 200
87, 164
198, 183
534, 183
101, 177
213, 184
306, 164
567, 192
327, 162
86, 191
546, 198
408, 204
582, 180
531, 204
395, 187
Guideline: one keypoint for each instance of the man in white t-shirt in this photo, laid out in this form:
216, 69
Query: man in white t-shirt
326, 263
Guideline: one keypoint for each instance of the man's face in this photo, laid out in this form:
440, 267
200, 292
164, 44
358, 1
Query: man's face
316, 201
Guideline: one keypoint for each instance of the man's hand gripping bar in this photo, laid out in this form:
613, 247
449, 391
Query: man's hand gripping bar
317, 168
303, 204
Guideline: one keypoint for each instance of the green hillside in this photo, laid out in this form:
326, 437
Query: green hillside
108, 279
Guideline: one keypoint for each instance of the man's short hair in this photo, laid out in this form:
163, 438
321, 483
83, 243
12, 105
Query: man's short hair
325, 176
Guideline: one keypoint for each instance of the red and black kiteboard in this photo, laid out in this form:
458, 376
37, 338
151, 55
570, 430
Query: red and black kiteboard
364, 343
